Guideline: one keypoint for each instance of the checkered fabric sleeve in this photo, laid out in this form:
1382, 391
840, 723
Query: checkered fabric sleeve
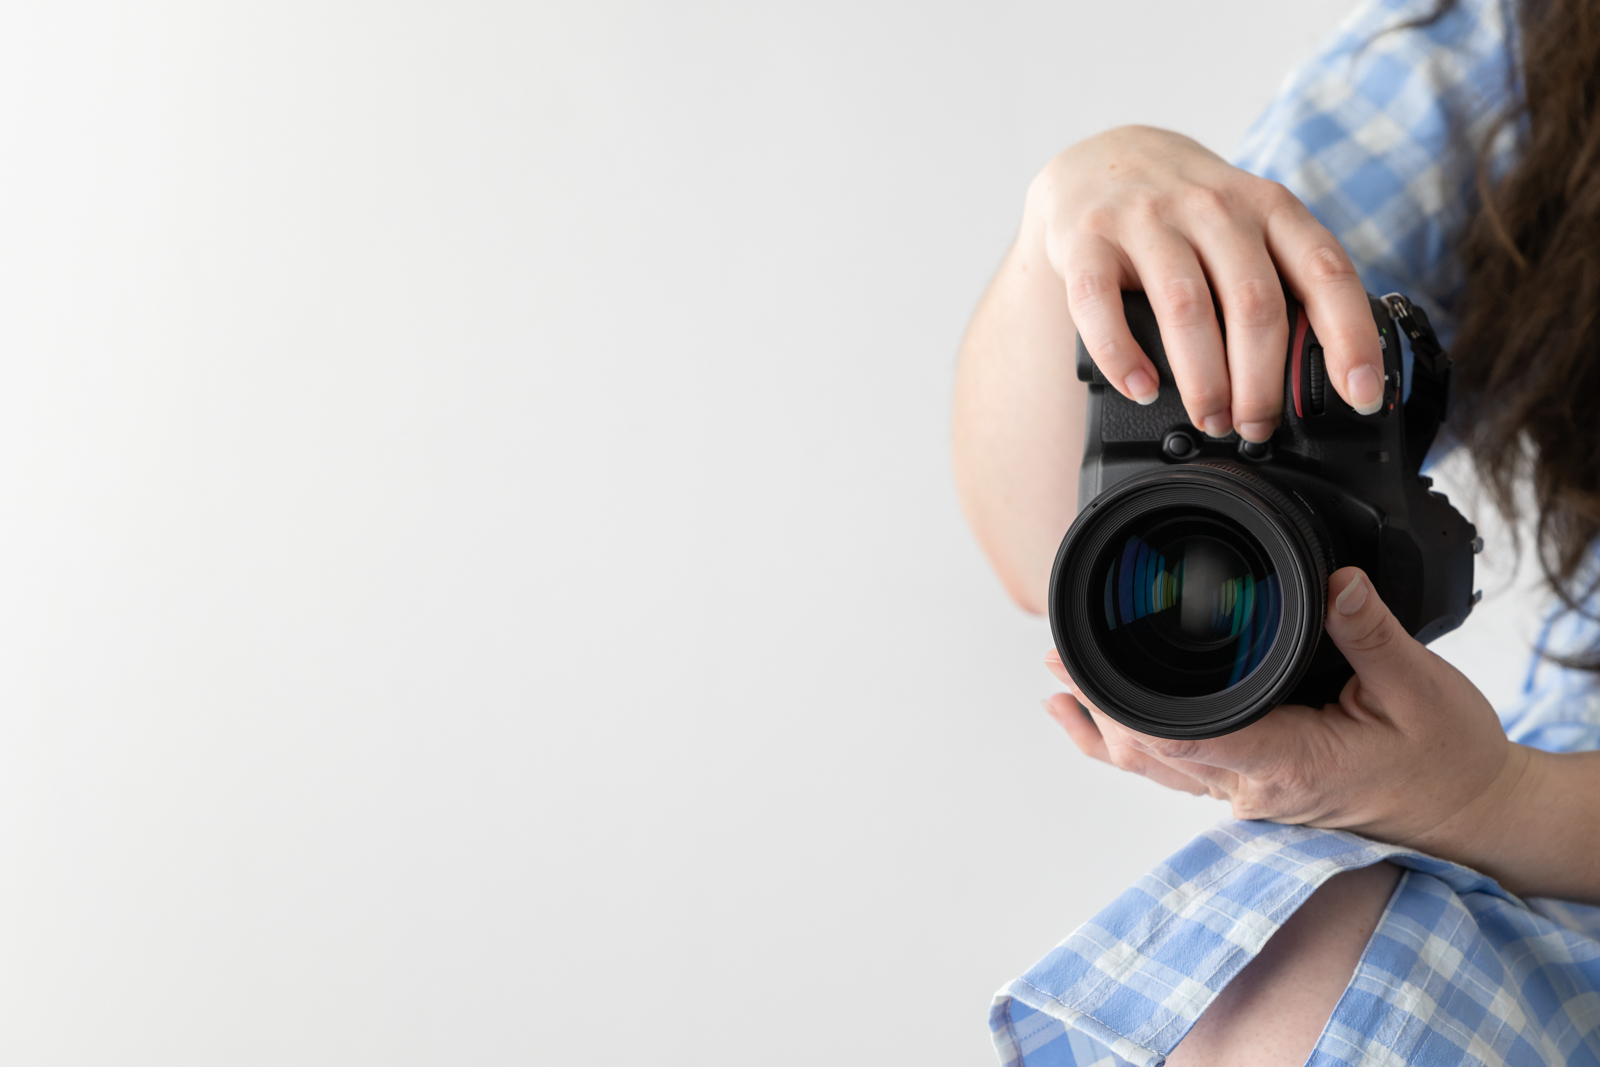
1458, 972
1380, 135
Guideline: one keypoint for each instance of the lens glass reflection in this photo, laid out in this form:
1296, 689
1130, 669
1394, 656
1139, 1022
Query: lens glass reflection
1191, 603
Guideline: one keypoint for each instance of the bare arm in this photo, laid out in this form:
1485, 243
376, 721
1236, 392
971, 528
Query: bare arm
1537, 830
1018, 424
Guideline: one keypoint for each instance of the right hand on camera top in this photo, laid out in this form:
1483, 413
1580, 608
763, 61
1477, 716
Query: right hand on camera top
1140, 208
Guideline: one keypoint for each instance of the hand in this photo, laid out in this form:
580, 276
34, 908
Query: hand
1139, 208
1412, 753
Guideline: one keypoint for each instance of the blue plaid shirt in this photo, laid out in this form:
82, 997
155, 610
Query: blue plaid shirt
1380, 135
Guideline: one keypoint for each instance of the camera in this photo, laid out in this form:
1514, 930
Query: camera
1187, 599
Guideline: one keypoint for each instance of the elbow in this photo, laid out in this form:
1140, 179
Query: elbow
1025, 591
1023, 570
1026, 599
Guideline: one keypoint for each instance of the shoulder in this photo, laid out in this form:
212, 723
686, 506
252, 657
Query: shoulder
1437, 78
1381, 130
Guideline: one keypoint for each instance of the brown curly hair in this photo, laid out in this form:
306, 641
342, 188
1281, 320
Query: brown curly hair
1528, 352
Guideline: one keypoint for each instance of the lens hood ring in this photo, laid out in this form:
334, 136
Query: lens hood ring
1281, 528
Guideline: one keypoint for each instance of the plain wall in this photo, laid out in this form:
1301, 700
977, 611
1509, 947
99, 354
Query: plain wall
481, 580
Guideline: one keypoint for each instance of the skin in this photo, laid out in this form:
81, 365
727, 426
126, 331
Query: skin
1412, 753
1260, 1017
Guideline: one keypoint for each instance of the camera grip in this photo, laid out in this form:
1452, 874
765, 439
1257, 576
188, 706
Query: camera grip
1121, 419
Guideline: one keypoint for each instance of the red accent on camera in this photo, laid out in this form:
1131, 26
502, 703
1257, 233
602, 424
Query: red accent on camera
1299, 343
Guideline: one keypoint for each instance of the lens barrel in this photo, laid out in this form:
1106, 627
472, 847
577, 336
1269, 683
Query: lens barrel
1187, 602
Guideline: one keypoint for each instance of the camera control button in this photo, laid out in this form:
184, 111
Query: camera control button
1255, 451
1179, 445
1317, 376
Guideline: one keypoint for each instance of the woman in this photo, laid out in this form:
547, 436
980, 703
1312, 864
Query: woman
1412, 888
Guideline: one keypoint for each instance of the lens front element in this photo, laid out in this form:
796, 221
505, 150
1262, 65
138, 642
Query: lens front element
1191, 603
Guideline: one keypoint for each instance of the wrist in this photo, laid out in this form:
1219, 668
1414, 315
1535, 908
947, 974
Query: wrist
1534, 829
1470, 831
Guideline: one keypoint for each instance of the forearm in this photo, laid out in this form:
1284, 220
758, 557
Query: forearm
1536, 830
1018, 422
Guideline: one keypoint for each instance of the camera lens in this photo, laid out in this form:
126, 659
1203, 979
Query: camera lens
1192, 603
1187, 601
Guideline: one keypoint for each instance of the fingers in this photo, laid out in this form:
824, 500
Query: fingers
1094, 299
1124, 753
1321, 274
1234, 255
1258, 748
1170, 271
1258, 751
1088, 730
1069, 714
1053, 664
1384, 656
1179, 250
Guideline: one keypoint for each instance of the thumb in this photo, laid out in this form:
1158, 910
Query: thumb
1368, 634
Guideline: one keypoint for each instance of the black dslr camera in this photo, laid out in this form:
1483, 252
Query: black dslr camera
1187, 600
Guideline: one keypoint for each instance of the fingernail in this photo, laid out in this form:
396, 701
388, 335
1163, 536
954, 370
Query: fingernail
1255, 431
1218, 425
1141, 386
1365, 389
1355, 594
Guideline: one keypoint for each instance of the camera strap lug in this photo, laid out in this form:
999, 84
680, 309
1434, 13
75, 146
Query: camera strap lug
1425, 344
1431, 378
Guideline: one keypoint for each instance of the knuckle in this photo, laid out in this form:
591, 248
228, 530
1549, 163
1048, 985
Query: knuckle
1204, 202
1089, 290
1251, 403
1207, 399
1249, 808
1381, 632
1145, 207
1187, 302
1257, 801
1254, 303
1285, 793
1112, 355
1174, 749
1124, 758
1244, 807
1326, 264
1097, 222
1274, 196
1255, 411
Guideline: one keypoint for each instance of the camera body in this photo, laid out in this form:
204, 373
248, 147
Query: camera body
1260, 528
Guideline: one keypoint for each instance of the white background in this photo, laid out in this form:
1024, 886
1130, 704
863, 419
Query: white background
481, 583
